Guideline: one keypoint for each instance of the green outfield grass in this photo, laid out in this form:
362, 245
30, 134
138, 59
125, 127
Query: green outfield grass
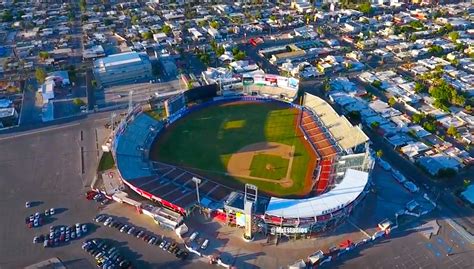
269, 166
206, 139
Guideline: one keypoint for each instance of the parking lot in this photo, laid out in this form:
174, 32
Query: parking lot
46, 166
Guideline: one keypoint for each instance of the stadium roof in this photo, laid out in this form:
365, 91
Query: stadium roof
340, 196
347, 136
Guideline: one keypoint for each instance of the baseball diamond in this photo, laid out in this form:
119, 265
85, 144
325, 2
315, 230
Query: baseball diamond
242, 142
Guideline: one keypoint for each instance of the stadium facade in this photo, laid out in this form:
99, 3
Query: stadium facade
340, 181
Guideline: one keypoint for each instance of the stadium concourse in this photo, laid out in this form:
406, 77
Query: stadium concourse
340, 180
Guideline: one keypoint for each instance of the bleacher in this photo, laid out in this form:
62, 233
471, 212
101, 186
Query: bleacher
133, 145
340, 129
324, 176
318, 138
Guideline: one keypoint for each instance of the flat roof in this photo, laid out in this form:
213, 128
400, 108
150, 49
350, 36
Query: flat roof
344, 193
120, 58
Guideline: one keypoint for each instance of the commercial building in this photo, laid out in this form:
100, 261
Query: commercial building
121, 68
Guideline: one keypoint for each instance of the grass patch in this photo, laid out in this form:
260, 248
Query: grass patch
106, 162
235, 124
269, 166
203, 141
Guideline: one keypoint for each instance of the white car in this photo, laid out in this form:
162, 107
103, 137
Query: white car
28, 204
204, 245
108, 221
193, 236
51, 211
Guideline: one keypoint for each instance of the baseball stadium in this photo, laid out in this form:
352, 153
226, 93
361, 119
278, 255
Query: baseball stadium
258, 155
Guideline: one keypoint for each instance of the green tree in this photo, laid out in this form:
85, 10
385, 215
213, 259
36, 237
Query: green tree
166, 29
205, 58
452, 131
147, 35
214, 24
419, 87
435, 50
220, 50
78, 102
202, 23
235, 50
416, 24
430, 126
375, 125
135, 19
273, 18
417, 118
240, 56
392, 101
377, 84
366, 8
40, 75
43, 55
7, 16
83, 5
454, 36
379, 153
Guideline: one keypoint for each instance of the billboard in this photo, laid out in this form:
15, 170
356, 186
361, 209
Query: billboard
271, 80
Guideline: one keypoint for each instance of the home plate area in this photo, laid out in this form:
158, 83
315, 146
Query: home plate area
266, 161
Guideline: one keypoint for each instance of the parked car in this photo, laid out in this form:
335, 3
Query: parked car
140, 234
28, 204
193, 236
204, 245
108, 221
163, 244
385, 165
411, 186
124, 228
131, 230
84, 228
51, 212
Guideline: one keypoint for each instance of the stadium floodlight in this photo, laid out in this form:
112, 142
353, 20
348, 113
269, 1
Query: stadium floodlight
197, 181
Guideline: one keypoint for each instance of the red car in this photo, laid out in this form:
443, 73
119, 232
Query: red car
90, 195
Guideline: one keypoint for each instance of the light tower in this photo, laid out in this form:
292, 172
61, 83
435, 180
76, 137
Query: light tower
250, 199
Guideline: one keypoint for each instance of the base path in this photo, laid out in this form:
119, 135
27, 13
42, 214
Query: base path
240, 162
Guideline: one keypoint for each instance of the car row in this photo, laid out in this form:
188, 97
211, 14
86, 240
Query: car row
98, 197
61, 234
37, 219
171, 247
106, 256
193, 237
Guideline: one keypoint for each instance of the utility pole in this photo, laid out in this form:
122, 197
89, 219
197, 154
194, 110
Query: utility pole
197, 181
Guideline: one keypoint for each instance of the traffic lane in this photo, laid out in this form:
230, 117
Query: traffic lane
43, 167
